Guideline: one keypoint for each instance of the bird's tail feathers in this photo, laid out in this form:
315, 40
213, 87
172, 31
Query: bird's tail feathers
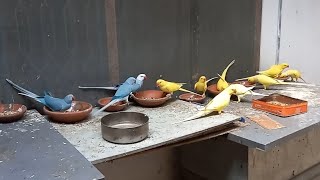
302, 79
36, 98
99, 87
17, 87
114, 101
257, 94
184, 90
211, 79
199, 114
180, 84
240, 79
222, 78
224, 73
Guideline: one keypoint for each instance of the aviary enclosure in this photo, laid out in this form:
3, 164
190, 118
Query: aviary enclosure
58, 45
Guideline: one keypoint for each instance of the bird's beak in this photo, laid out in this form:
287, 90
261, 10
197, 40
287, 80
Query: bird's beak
157, 84
73, 98
145, 77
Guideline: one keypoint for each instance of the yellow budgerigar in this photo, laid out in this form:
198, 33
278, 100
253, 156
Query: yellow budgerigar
222, 83
275, 70
217, 104
171, 87
293, 74
201, 86
267, 81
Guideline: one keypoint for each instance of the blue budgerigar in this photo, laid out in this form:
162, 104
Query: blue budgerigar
125, 90
55, 104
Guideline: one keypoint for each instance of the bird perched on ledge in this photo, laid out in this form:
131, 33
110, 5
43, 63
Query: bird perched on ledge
293, 74
53, 103
201, 86
218, 103
275, 70
171, 87
124, 91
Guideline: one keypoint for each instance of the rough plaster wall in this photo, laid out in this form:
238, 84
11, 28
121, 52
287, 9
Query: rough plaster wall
300, 37
268, 33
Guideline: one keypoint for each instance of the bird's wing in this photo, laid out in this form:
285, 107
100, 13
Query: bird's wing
56, 104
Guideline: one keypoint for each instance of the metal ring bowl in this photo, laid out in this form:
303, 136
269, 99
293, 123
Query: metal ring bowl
125, 127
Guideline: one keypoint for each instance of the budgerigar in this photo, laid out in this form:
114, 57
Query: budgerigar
293, 74
171, 87
53, 103
222, 83
217, 104
267, 81
124, 91
275, 70
201, 86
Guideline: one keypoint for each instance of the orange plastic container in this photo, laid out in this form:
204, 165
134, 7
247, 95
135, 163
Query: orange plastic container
281, 105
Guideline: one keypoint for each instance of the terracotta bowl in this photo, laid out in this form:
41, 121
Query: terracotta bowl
79, 111
213, 89
11, 112
119, 106
192, 97
151, 98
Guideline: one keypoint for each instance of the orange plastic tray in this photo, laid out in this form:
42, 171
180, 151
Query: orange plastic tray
281, 105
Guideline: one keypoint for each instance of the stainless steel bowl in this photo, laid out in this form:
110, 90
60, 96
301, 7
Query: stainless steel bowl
125, 127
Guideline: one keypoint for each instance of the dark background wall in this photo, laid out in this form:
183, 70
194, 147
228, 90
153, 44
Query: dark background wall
61, 44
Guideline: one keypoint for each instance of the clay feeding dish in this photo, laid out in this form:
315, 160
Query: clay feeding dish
11, 112
150, 98
119, 106
213, 89
192, 97
78, 111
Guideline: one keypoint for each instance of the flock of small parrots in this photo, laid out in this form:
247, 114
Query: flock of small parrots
266, 78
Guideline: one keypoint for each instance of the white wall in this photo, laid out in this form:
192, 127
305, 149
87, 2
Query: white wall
268, 33
300, 36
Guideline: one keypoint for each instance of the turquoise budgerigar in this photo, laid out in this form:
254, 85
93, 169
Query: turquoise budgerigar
124, 91
53, 103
